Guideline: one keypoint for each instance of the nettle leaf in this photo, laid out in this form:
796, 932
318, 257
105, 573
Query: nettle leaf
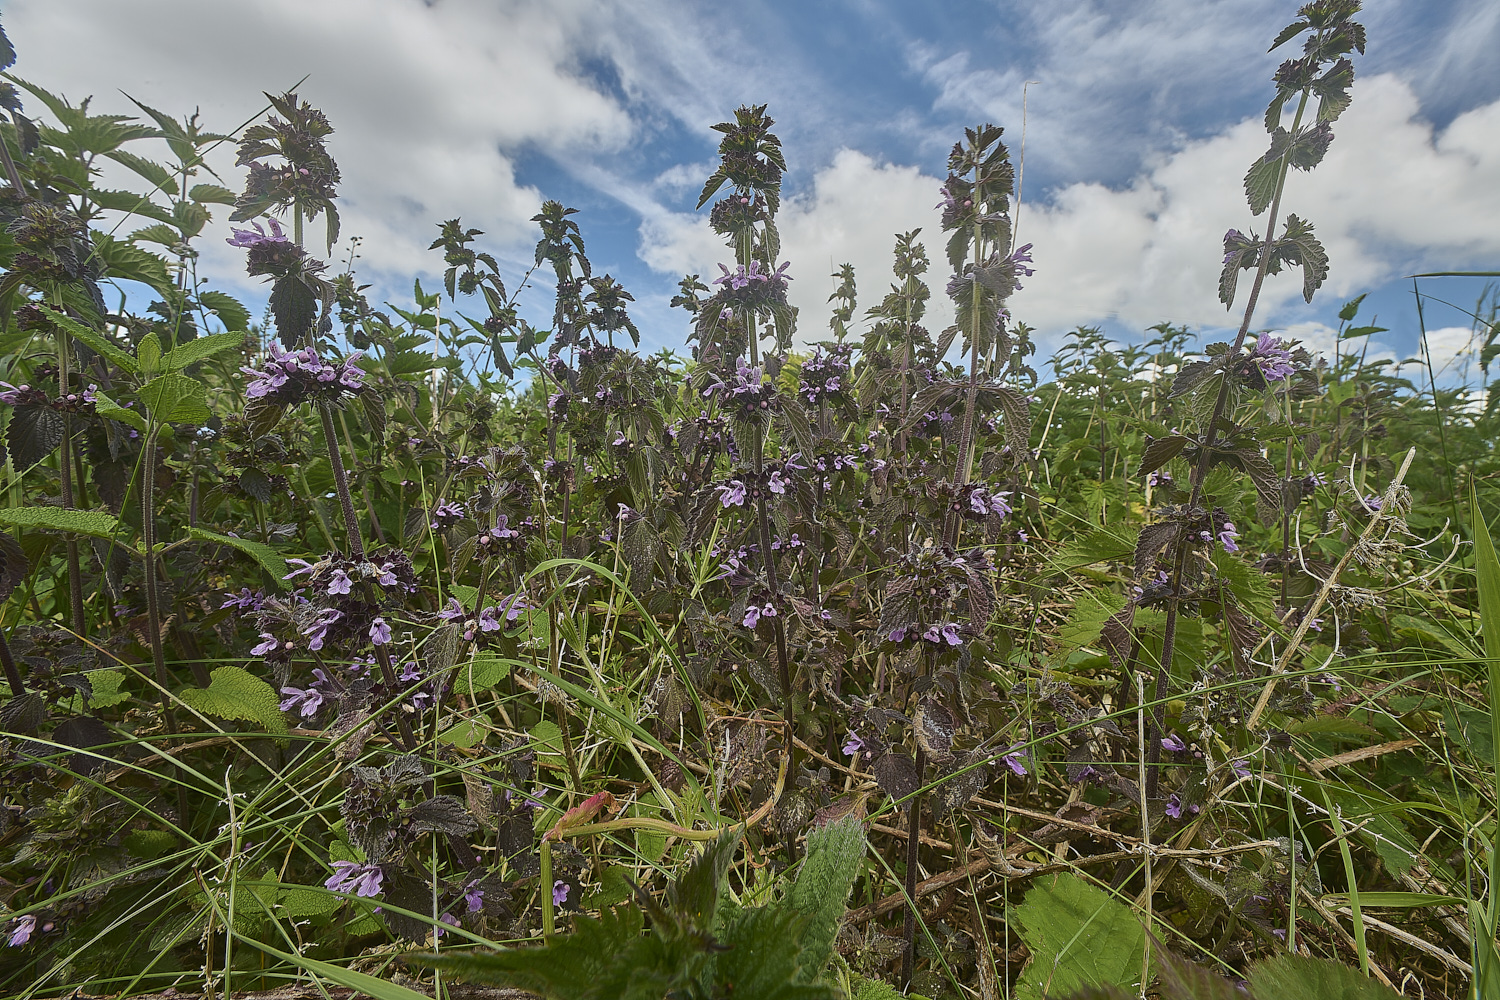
270, 560
198, 350
123, 259
834, 853
1079, 936
1153, 539
294, 308
212, 194
106, 407
896, 774
1265, 173
1297, 977
1193, 374
694, 897
442, 814
1332, 90
174, 398
81, 522
33, 434
231, 313
1309, 146
1298, 247
95, 341
235, 693
1160, 451
761, 960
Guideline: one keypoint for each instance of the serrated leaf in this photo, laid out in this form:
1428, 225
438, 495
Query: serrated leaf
235, 693
481, 674
82, 522
123, 259
896, 774
212, 194
1300, 248
1160, 451
33, 434
231, 313
834, 854
1079, 936
197, 350
1298, 977
95, 340
175, 398
270, 560
104, 688
441, 814
152, 171
694, 896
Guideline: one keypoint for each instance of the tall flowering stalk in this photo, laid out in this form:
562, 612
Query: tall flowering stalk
1319, 81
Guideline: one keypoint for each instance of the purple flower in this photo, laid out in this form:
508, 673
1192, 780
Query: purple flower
244, 600
271, 642
1174, 806
852, 744
340, 582
452, 610
776, 484
1227, 537
308, 701
943, 633
1239, 769
360, 879
1173, 743
257, 236
20, 930
474, 896
898, 634
732, 494
380, 632
1373, 502
318, 631
560, 889
1273, 356
1013, 757
754, 614
446, 514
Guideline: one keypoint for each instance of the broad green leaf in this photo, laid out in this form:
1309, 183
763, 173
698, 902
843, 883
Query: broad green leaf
105, 686
1295, 977
106, 407
1079, 936
148, 354
123, 259
464, 734
82, 522
481, 674
270, 560
175, 398
96, 341
834, 854
204, 347
212, 194
235, 693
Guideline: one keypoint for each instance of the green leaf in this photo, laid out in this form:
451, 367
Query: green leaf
361, 983
1300, 248
212, 194
148, 354
231, 313
235, 693
154, 172
96, 341
761, 959
174, 398
1393, 900
270, 560
104, 686
481, 674
106, 407
694, 897
197, 350
1079, 936
1296, 977
834, 854
81, 522
123, 259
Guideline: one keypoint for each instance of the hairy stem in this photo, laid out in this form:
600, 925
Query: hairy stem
65, 479
153, 598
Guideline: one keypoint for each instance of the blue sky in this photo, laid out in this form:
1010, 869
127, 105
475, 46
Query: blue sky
1143, 117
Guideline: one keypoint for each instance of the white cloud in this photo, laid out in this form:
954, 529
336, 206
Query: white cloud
1391, 195
432, 103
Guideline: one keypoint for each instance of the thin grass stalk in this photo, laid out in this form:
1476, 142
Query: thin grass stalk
1483, 918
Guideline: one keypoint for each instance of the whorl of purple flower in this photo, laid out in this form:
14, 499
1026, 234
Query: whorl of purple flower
351, 876
244, 600
20, 931
897, 634
292, 377
982, 502
253, 238
732, 493
754, 614
1160, 479
1173, 743
1018, 260
317, 632
306, 701
1273, 357
852, 744
939, 634
743, 276
446, 514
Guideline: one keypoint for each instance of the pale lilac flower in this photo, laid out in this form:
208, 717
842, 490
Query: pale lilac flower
1373, 502
1013, 758
1173, 743
20, 930
307, 701
1273, 356
940, 634
380, 632
271, 642
474, 896
257, 236
452, 610
732, 494
776, 484
1174, 806
351, 876
1239, 769
1227, 537
898, 634
852, 744
560, 888
340, 583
